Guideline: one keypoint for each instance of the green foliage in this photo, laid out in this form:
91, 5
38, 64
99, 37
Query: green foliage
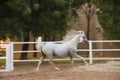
39, 16
109, 17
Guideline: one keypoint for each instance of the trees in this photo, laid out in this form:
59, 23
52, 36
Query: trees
89, 10
109, 17
21, 15
40, 17
13, 14
50, 17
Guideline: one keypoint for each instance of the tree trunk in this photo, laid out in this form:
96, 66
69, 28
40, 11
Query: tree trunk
25, 46
99, 45
88, 28
88, 31
99, 35
35, 53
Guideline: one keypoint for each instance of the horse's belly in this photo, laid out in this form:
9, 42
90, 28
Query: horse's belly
61, 52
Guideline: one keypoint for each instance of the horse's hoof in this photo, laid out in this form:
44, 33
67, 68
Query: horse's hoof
37, 69
87, 64
57, 69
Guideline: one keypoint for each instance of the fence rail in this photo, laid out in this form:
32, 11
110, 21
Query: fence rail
103, 41
90, 50
10, 53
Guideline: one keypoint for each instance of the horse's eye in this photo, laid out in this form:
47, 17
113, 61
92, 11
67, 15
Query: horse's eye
84, 37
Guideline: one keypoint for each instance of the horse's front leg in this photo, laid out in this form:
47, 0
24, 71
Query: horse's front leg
51, 62
78, 56
74, 54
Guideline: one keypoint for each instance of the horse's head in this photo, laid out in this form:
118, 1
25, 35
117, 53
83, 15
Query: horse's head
82, 37
72, 34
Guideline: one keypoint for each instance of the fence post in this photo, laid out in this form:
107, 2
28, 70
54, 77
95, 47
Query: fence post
90, 52
7, 58
12, 55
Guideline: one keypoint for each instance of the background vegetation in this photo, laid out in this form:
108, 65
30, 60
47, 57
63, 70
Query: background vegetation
50, 18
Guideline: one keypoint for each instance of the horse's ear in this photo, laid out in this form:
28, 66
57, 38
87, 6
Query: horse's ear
83, 32
80, 32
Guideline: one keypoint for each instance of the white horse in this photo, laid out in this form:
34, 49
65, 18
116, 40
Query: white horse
68, 48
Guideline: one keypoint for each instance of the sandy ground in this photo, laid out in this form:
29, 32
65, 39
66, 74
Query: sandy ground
97, 71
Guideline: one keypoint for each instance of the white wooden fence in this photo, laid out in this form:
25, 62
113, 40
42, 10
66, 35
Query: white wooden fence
8, 58
10, 53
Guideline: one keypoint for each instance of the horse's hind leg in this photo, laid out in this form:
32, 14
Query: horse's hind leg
50, 61
72, 61
39, 63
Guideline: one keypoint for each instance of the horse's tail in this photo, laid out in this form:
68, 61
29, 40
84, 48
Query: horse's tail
39, 43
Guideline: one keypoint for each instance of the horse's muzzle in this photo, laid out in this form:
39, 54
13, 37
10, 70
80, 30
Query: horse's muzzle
86, 41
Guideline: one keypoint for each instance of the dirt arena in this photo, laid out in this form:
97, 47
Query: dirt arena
109, 70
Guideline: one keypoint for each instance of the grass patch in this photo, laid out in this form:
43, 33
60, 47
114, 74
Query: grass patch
2, 62
2, 53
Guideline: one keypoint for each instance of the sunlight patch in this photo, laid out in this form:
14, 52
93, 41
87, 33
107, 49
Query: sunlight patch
110, 66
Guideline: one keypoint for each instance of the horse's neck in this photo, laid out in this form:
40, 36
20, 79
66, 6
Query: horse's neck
74, 41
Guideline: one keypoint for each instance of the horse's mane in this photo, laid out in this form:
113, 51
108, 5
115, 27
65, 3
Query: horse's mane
69, 35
